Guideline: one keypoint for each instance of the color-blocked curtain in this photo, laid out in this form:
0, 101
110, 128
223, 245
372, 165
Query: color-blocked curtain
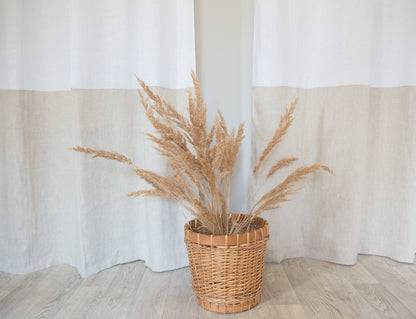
67, 78
352, 64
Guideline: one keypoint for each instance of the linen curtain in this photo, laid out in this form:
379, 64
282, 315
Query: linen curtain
67, 78
352, 65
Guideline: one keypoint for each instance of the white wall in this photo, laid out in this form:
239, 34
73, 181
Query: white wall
223, 35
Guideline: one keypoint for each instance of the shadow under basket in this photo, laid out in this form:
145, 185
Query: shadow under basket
227, 270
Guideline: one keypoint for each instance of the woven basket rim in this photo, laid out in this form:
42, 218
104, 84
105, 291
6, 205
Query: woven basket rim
260, 234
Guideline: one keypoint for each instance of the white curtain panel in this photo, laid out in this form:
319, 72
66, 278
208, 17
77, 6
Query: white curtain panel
67, 78
352, 64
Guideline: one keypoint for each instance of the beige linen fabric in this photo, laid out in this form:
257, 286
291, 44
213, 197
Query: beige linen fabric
60, 207
368, 137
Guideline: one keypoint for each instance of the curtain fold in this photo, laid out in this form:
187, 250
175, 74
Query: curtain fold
351, 65
68, 79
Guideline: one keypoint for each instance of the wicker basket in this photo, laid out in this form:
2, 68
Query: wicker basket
227, 271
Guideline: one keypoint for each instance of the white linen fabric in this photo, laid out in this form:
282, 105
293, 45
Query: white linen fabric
331, 43
59, 45
67, 78
351, 63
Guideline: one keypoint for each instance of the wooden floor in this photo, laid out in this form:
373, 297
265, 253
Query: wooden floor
375, 287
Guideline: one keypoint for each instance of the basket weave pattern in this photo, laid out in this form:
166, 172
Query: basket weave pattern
227, 271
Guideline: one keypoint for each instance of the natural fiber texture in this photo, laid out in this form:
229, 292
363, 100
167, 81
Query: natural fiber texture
227, 271
202, 162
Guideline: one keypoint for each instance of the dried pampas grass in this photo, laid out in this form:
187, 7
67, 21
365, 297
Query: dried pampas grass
202, 162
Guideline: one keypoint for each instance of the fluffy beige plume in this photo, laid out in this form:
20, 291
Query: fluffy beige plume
112, 155
285, 122
280, 192
284, 162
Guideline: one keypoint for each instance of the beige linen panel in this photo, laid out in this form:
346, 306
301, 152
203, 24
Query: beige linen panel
368, 137
59, 206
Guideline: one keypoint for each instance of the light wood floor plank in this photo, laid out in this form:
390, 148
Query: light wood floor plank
118, 298
3, 293
88, 295
181, 299
55, 295
323, 293
10, 282
277, 289
356, 274
400, 285
407, 273
41, 295
291, 311
19, 298
149, 302
384, 302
